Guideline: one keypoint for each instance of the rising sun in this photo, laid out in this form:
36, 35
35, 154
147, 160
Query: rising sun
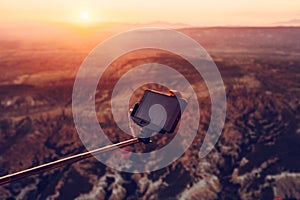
84, 15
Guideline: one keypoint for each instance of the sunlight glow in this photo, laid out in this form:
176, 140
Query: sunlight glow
84, 15
192, 12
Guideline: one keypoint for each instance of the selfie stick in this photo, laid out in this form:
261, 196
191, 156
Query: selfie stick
64, 161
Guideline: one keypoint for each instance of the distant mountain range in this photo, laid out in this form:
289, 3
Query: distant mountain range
113, 26
293, 22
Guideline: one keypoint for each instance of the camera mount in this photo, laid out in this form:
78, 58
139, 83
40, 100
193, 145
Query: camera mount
156, 112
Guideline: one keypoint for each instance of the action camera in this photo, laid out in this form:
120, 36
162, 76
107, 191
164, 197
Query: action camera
159, 112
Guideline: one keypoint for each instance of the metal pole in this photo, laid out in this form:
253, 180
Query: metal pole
64, 161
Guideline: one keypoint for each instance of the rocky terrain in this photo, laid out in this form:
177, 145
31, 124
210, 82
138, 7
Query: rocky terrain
256, 156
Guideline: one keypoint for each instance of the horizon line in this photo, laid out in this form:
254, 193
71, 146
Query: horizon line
180, 25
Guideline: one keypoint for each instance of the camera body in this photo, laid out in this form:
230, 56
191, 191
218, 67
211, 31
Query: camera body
159, 112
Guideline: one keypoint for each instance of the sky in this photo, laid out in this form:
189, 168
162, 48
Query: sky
191, 12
